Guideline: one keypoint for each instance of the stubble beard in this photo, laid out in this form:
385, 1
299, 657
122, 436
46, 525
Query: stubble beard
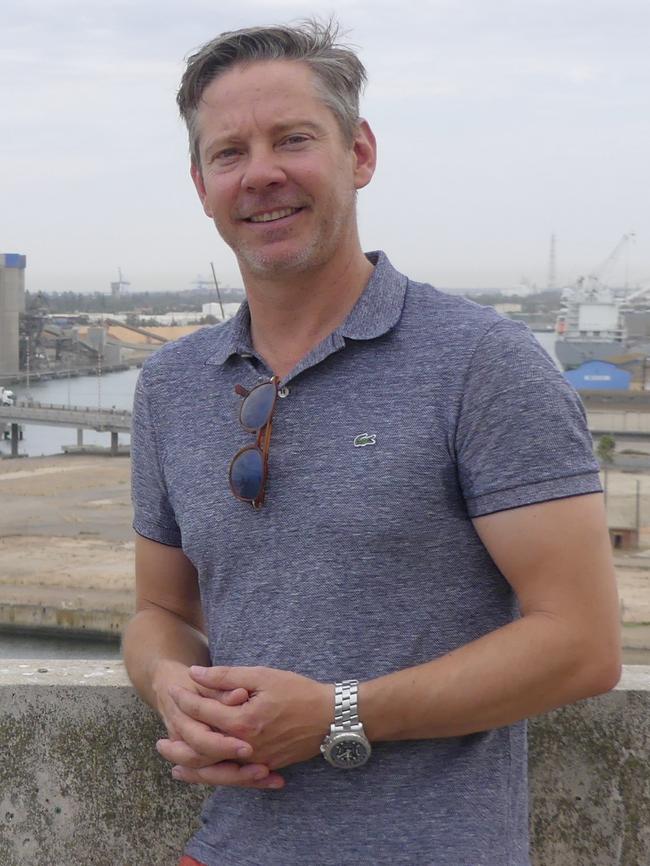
317, 251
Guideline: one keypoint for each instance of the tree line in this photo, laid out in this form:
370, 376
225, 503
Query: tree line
142, 303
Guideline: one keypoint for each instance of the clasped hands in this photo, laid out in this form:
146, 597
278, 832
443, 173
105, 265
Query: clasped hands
238, 725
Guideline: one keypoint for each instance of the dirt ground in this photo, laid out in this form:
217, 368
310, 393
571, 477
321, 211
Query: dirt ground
65, 531
66, 537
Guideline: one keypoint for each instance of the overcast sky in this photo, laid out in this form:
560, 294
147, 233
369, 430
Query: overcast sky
498, 122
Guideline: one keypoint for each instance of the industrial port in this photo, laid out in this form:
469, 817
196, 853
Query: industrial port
36, 344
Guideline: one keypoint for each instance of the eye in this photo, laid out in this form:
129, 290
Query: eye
225, 156
296, 139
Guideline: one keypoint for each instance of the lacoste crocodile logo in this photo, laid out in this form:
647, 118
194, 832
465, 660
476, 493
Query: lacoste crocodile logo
365, 439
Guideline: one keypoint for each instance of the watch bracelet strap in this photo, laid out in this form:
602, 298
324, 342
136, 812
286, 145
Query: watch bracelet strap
346, 711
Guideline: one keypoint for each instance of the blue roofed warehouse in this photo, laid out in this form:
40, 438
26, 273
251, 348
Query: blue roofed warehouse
599, 374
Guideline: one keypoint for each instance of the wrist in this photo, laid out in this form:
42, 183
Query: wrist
367, 712
325, 710
377, 710
163, 673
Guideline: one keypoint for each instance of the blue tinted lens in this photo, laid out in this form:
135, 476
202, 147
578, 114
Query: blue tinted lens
247, 474
257, 407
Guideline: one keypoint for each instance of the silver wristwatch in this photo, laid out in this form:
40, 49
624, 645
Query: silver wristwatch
346, 746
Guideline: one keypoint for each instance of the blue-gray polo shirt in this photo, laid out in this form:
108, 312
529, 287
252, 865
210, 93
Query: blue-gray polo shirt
364, 559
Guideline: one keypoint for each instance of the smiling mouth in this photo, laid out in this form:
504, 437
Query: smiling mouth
271, 216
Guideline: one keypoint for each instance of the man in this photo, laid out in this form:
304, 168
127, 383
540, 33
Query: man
348, 602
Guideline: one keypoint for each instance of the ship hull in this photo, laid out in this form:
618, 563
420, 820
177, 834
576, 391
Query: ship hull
573, 353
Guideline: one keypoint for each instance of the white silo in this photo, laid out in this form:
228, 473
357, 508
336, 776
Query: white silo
12, 303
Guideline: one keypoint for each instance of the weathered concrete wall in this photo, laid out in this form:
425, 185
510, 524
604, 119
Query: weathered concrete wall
81, 783
590, 779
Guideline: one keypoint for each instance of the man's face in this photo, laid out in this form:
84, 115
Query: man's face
276, 176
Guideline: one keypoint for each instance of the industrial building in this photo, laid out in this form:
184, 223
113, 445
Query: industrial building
35, 344
12, 304
599, 375
38, 344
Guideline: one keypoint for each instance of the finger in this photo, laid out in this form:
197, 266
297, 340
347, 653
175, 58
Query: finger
233, 697
233, 775
210, 741
176, 718
202, 740
206, 710
209, 693
230, 697
221, 677
173, 716
180, 752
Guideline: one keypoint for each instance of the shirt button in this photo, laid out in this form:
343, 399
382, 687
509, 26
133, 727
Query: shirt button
283, 392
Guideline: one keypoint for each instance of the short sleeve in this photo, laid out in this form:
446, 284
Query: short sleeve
521, 433
153, 514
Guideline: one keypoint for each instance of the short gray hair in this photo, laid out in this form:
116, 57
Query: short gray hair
338, 72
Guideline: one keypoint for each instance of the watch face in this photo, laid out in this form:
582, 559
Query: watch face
349, 753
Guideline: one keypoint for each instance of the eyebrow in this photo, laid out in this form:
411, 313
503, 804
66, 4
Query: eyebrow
290, 124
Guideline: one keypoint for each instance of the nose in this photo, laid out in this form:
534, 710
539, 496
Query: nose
262, 170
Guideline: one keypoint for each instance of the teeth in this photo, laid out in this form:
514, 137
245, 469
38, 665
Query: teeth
273, 215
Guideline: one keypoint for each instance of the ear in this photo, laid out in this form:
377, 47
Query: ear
365, 153
197, 177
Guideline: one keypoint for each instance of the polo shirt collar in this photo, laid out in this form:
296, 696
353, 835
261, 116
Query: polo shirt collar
376, 312
380, 305
233, 336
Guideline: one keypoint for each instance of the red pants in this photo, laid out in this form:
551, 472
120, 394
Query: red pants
189, 861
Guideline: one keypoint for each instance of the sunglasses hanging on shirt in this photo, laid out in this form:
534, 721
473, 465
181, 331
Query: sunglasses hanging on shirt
249, 467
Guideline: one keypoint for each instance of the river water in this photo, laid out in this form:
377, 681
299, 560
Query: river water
107, 391
30, 646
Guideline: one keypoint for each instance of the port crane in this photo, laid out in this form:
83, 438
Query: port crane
116, 287
623, 244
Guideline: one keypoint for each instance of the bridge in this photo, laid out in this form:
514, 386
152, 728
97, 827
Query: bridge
113, 421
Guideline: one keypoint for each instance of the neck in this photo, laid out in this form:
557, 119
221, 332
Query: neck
292, 314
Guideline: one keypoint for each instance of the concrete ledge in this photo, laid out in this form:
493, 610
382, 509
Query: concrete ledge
81, 783
102, 451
